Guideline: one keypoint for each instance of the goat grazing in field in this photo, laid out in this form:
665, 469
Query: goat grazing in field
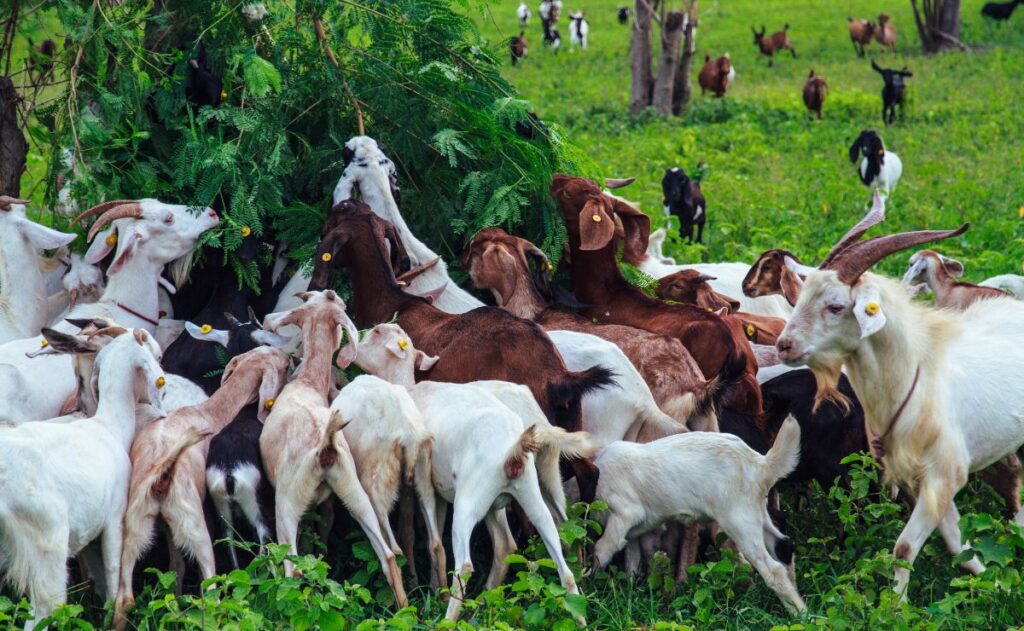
939, 274
23, 298
861, 34
65, 484
579, 28
492, 444
815, 91
779, 40
304, 452
622, 14
879, 169
716, 75
684, 199
893, 90
523, 14
939, 388
714, 477
1000, 11
885, 33
518, 48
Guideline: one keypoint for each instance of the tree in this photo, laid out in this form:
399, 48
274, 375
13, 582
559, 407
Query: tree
669, 91
938, 24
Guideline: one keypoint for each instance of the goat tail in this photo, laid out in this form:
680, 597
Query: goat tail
715, 389
564, 396
327, 449
555, 442
157, 479
784, 455
527, 444
653, 423
417, 456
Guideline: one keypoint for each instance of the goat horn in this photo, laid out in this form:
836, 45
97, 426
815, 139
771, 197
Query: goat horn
252, 317
232, 320
112, 331
405, 277
859, 257
6, 201
130, 209
875, 216
618, 182
100, 208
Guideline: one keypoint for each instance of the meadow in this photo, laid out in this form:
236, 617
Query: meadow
776, 178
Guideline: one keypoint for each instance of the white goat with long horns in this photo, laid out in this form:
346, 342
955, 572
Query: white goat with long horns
940, 390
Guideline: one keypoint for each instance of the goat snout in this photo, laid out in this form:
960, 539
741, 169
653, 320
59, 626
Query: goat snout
212, 213
790, 351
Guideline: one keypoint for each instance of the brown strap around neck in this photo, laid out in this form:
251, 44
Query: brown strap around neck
877, 442
137, 314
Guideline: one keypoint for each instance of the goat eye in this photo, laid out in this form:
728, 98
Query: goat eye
835, 309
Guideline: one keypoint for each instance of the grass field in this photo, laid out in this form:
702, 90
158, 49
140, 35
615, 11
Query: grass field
778, 178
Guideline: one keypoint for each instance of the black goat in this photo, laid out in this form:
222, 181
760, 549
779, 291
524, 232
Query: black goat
203, 87
1000, 10
623, 13
684, 199
893, 90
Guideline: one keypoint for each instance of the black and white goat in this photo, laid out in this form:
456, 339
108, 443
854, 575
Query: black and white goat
893, 90
578, 29
1000, 10
879, 169
684, 199
518, 47
623, 14
523, 13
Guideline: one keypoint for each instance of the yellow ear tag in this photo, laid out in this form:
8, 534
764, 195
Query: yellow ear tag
326, 257
871, 308
750, 330
596, 218
206, 328
403, 343
881, 152
160, 381
223, 95
1020, 212
112, 238
44, 343
269, 404
551, 267
246, 231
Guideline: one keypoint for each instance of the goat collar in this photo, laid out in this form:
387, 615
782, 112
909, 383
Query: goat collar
877, 442
137, 314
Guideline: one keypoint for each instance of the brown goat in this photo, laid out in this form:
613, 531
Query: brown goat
815, 91
939, 274
885, 34
778, 40
715, 75
518, 48
591, 217
486, 343
497, 261
690, 287
861, 32
774, 272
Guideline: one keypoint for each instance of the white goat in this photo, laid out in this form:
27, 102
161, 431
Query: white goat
169, 465
485, 435
578, 29
65, 484
655, 243
940, 389
523, 13
81, 282
701, 476
1012, 283
305, 455
149, 235
23, 297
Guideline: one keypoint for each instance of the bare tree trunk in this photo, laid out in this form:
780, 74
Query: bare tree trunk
938, 24
640, 58
683, 88
664, 85
13, 147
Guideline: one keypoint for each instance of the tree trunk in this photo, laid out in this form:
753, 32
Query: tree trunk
640, 58
683, 88
664, 85
938, 24
13, 147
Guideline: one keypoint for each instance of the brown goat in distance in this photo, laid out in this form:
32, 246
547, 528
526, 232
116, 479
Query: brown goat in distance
486, 343
885, 33
715, 75
591, 217
815, 91
861, 33
778, 40
498, 261
940, 275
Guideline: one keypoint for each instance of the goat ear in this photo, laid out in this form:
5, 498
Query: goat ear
596, 228
791, 285
399, 347
542, 267
44, 238
270, 387
425, 362
637, 228
126, 248
267, 338
230, 369
867, 308
855, 150
953, 266
203, 334
102, 245
70, 344
350, 351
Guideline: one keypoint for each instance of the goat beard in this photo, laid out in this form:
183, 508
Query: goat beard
826, 375
180, 268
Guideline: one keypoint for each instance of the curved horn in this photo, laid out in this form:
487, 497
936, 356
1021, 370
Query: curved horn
101, 208
112, 331
859, 257
131, 209
7, 200
232, 320
618, 182
875, 215
252, 317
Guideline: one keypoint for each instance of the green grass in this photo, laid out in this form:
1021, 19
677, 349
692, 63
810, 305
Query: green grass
778, 178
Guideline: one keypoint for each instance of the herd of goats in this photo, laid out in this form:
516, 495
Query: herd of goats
676, 411
717, 74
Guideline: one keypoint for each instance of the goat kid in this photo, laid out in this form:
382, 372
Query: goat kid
861, 34
893, 90
939, 274
684, 199
716, 75
815, 91
518, 48
523, 14
885, 33
879, 169
767, 46
579, 28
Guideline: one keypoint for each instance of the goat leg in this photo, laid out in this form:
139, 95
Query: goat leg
407, 530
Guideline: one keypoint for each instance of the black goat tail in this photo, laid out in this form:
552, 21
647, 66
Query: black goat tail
732, 373
565, 397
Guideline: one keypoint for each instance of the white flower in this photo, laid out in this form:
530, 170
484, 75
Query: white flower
255, 12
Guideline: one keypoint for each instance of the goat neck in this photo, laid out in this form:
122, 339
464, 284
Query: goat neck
939, 281
116, 406
319, 341
135, 286
224, 405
